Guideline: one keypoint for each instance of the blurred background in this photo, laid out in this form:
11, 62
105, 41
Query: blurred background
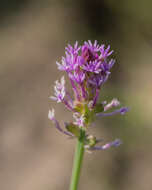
33, 34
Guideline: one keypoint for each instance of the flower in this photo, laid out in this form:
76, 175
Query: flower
113, 103
121, 111
114, 143
79, 119
59, 89
51, 114
88, 67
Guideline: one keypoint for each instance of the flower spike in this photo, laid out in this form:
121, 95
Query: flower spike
87, 67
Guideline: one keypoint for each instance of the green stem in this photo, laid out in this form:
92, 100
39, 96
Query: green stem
77, 161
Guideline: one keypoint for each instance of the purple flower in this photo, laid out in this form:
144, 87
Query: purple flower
77, 77
93, 67
93, 47
73, 50
88, 67
79, 119
114, 143
59, 89
105, 52
121, 111
113, 103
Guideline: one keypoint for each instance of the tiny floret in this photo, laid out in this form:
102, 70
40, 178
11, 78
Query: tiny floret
59, 90
113, 103
124, 110
51, 114
79, 119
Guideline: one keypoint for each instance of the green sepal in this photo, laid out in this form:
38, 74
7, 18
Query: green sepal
79, 108
74, 129
88, 115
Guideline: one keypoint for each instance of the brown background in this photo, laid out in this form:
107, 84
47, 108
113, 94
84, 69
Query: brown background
33, 34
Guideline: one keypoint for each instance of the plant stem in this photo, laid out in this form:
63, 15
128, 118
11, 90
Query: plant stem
77, 161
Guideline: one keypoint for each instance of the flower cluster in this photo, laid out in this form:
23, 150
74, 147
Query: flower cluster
88, 68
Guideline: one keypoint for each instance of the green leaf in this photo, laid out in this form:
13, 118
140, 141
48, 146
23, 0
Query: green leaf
74, 129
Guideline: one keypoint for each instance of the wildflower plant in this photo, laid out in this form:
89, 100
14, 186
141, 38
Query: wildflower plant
88, 68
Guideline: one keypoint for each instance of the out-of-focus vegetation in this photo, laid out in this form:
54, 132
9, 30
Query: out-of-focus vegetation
33, 34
